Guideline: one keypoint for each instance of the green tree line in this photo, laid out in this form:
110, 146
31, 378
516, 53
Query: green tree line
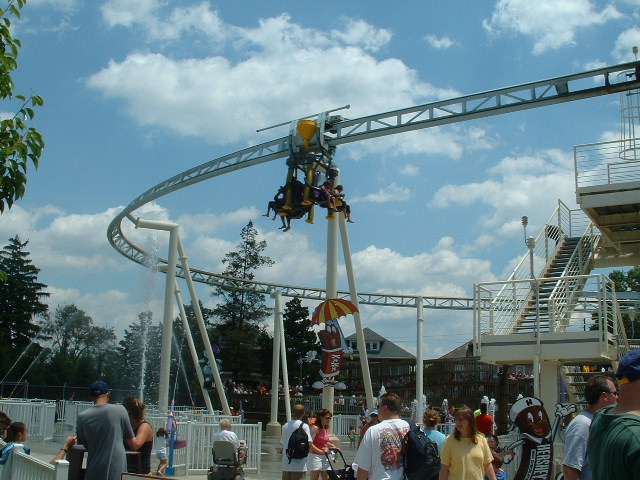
66, 346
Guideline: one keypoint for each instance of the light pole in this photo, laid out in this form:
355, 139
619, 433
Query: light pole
531, 245
632, 319
525, 222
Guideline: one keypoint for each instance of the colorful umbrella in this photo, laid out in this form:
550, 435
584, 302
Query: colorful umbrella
332, 309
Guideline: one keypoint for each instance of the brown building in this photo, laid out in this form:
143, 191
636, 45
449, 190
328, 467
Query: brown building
389, 365
458, 376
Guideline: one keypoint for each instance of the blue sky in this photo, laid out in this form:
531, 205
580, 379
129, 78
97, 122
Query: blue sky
137, 91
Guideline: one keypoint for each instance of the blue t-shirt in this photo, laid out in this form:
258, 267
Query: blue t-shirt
499, 476
7, 449
438, 437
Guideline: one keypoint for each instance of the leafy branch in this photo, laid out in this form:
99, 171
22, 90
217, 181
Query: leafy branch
20, 144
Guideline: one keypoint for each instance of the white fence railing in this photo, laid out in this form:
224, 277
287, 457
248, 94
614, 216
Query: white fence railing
607, 163
39, 416
593, 306
197, 457
21, 466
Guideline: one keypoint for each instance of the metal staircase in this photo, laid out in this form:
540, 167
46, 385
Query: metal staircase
552, 308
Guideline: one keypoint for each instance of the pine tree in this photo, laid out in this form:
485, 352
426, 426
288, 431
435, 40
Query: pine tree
300, 339
21, 298
238, 326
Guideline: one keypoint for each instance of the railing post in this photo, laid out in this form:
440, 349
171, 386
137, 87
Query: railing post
62, 470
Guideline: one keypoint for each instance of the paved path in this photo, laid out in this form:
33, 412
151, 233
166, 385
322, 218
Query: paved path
271, 461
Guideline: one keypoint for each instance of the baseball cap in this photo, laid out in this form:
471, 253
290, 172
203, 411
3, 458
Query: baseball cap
98, 388
629, 368
373, 412
522, 404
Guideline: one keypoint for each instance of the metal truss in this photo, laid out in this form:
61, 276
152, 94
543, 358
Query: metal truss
510, 99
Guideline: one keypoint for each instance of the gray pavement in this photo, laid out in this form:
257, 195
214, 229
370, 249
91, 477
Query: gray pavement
271, 459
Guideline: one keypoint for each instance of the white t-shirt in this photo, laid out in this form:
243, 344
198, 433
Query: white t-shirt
227, 436
575, 444
380, 452
297, 464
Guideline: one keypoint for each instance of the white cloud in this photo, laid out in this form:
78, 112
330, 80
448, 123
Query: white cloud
410, 170
622, 51
391, 193
442, 272
129, 12
362, 34
551, 23
223, 100
517, 186
450, 142
440, 43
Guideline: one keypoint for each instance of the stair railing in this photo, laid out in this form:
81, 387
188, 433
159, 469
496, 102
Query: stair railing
517, 292
569, 285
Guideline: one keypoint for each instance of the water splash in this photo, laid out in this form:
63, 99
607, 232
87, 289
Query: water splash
178, 350
149, 292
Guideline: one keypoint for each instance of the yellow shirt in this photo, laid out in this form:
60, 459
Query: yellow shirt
465, 459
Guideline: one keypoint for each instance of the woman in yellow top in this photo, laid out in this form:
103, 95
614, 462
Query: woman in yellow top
466, 454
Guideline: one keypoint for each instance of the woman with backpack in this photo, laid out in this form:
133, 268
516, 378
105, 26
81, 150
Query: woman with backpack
466, 454
317, 461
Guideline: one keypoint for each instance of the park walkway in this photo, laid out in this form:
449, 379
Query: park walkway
271, 458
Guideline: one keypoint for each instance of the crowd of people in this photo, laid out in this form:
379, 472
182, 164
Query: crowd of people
602, 442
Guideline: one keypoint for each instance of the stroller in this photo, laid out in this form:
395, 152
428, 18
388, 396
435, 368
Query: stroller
227, 464
345, 473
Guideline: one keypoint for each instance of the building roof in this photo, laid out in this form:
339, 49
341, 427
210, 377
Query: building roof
387, 350
464, 350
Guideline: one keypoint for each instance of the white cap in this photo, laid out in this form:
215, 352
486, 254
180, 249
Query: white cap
522, 404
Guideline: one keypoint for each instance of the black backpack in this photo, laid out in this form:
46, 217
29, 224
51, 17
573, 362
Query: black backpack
421, 456
298, 446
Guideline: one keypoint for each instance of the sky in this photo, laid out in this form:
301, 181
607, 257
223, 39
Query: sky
137, 91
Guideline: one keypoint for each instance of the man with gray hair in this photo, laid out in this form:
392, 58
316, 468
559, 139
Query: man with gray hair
225, 434
599, 392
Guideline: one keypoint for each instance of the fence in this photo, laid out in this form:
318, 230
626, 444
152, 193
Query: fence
197, 457
39, 416
21, 466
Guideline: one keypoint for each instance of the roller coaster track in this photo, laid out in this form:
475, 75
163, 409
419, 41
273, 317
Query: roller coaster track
495, 102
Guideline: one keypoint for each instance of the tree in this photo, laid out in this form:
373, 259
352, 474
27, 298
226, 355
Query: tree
77, 345
19, 143
21, 298
138, 358
300, 338
628, 281
239, 316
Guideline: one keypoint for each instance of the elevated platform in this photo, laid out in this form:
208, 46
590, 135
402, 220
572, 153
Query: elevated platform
565, 347
608, 191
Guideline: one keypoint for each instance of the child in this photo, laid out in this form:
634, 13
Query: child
327, 193
16, 433
161, 450
497, 468
337, 194
352, 436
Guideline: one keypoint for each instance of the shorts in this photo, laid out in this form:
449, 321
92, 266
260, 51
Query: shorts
317, 463
162, 455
